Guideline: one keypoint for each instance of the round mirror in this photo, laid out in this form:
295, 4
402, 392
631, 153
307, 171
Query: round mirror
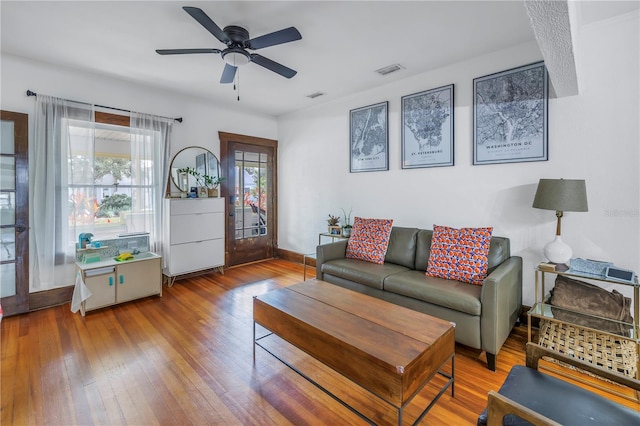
195, 167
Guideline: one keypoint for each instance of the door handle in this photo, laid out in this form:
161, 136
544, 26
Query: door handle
121, 279
110, 280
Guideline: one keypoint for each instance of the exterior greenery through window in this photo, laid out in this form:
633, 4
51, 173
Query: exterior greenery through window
100, 180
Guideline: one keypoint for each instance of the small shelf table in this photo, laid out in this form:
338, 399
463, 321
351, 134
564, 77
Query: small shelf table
545, 311
332, 236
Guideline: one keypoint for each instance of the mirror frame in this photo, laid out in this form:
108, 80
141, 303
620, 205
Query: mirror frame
197, 158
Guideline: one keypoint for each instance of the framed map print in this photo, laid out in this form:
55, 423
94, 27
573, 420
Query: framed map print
369, 138
427, 128
510, 116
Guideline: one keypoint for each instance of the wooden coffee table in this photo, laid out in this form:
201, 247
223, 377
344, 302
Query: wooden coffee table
389, 350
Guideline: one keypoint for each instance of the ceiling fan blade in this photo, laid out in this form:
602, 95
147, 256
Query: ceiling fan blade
273, 66
185, 51
228, 74
277, 37
204, 20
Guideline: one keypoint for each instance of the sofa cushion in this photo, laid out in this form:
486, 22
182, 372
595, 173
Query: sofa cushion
372, 275
460, 254
499, 250
456, 295
369, 239
423, 249
402, 246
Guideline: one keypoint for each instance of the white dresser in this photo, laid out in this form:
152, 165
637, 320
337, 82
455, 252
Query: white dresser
194, 231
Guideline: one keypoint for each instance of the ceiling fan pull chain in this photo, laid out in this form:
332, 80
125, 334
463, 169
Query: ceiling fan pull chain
238, 77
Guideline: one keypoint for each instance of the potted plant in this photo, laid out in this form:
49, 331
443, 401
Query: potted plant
212, 184
334, 225
346, 228
193, 172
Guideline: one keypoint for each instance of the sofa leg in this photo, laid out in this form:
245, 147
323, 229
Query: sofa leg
491, 361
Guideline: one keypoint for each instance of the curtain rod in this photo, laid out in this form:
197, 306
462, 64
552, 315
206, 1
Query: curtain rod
179, 119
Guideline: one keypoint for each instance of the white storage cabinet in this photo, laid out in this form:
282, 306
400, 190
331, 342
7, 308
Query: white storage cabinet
194, 230
112, 283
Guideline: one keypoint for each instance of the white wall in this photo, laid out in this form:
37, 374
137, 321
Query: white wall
202, 119
592, 136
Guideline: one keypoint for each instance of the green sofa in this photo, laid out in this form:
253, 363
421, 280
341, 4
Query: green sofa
484, 315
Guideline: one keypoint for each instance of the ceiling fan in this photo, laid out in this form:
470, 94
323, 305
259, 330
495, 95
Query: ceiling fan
237, 41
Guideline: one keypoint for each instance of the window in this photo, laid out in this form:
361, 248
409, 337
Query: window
99, 172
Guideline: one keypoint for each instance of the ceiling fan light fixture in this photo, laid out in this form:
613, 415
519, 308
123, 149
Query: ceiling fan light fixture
236, 57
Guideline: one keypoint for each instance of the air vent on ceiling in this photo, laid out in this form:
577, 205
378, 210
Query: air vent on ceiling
315, 95
390, 69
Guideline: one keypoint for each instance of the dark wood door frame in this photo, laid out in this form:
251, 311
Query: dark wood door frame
19, 303
227, 187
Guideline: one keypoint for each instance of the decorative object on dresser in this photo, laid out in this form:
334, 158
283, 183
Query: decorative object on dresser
195, 167
561, 195
195, 236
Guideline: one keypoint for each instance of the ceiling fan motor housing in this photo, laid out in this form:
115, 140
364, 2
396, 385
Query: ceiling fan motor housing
238, 35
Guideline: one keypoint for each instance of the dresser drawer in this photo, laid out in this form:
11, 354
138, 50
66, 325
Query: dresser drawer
196, 227
196, 206
190, 257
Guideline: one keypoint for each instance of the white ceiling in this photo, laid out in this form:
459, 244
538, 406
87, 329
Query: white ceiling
342, 44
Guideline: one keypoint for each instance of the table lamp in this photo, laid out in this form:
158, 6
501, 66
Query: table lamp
561, 195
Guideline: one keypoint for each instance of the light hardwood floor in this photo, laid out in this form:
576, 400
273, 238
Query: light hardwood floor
186, 358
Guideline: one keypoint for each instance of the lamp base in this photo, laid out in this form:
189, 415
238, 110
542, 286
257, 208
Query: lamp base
558, 252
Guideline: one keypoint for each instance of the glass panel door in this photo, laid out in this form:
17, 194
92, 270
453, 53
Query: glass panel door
250, 187
14, 213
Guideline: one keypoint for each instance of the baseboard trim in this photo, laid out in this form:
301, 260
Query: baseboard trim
48, 298
296, 257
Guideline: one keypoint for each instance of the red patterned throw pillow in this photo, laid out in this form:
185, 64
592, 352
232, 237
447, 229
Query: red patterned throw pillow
460, 254
369, 239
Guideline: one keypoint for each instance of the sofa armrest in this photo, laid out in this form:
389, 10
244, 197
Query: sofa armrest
331, 251
501, 299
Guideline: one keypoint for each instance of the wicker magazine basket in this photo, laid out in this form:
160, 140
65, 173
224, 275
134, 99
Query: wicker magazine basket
605, 350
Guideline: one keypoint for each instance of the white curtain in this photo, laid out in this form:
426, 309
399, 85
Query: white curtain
150, 137
61, 194
63, 188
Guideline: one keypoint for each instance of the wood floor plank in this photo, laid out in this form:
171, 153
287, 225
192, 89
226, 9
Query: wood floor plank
187, 358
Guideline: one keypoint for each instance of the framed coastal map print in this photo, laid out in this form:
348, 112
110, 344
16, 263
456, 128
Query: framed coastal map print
369, 138
427, 128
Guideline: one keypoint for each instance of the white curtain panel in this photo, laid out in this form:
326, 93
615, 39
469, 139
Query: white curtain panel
150, 140
61, 189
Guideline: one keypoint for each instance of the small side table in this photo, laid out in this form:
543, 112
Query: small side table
332, 236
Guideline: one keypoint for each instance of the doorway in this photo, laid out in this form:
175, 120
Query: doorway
249, 166
14, 213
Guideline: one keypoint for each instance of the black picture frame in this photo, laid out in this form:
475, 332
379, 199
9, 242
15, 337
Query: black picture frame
369, 138
428, 128
510, 116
